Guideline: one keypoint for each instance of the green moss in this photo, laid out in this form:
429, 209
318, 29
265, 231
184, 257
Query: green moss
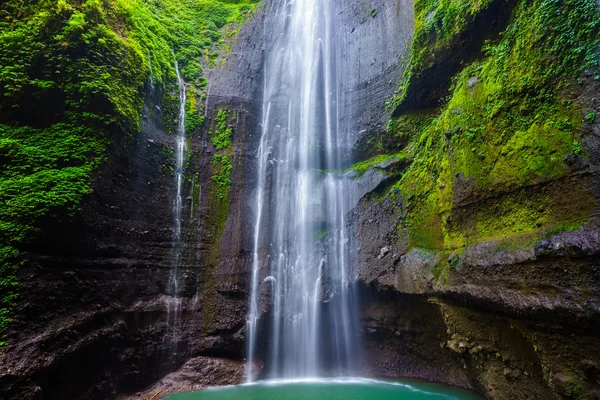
573, 387
361, 167
508, 123
438, 24
219, 203
193, 118
215, 223
563, 227
222, 176
590, 118
321, 233
220, 135
73, 79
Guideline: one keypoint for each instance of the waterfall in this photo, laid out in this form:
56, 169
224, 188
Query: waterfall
174, 301
179, 155
300, 241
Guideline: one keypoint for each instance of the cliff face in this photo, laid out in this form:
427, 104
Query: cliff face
510, 321
474, 218
91, 321
480, 248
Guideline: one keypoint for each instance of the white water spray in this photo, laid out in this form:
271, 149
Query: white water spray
299, 234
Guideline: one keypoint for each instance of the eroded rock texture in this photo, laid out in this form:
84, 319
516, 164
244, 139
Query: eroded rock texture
92, 319
512, 317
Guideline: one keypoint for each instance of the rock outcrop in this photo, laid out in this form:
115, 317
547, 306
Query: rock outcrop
513, 317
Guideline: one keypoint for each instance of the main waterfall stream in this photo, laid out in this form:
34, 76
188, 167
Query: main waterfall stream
300, 253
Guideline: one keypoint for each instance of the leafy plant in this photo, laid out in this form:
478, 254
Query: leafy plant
590, 117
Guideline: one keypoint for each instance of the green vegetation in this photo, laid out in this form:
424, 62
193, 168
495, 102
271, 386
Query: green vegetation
220, 135
438, 24
222, 176
563, 227
361, 167
218, 203
73, 80
510, 121
193, 116
590, 117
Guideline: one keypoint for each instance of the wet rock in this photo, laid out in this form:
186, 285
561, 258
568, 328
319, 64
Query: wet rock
566, 245
567, 385
457, 346
384, 251
576, 162
463, 189
197, 373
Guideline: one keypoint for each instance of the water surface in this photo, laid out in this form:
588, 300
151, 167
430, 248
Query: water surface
355, 389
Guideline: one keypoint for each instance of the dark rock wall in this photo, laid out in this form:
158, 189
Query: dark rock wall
513, 318
92, 316
374, 37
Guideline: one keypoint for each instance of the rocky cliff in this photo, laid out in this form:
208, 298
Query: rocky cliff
480, 247
474, 215
92, 317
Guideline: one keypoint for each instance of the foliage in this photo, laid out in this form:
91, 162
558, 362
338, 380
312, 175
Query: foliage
222, 176
590, 117
187, 28
509, 122
220, 135
193, 116
72, 80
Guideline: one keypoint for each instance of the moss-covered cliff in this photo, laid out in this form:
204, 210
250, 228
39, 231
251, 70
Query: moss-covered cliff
93, 269
490, 217
497, 96
73, 79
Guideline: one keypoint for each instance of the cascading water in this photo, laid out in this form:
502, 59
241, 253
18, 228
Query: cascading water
301, 201
173, 300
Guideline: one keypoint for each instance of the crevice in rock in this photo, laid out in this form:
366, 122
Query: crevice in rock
430, 85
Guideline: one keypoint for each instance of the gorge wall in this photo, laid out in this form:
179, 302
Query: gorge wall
91, 319
480, 247
475, 218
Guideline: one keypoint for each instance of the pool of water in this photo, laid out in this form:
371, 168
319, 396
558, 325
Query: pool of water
332, 389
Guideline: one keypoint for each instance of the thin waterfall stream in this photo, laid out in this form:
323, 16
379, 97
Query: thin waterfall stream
174, 285
300, 254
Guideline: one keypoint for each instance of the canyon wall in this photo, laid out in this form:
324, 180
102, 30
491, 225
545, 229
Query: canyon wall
488, 282
479, 251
